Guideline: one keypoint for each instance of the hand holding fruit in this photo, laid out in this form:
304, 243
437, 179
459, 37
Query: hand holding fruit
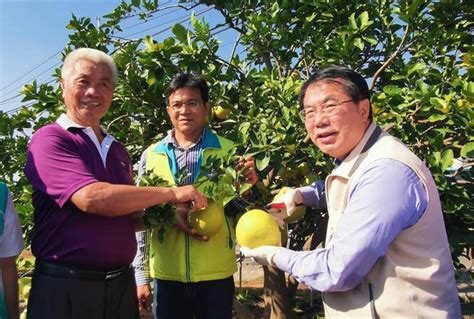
181, 222
249, 171
262, 255
189, 194
284, 204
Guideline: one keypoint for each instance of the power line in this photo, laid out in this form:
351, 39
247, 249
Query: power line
18, 108
154, 18
159, 9
42, 63
197, 14
159, 32
32, 79
153, 27
167, 22
19, 94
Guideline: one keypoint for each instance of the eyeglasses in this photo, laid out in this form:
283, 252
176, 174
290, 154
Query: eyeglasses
329, 108
179, 105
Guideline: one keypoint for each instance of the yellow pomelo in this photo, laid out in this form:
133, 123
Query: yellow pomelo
299, 211
207, 222
295, 75
257, 228
221, 113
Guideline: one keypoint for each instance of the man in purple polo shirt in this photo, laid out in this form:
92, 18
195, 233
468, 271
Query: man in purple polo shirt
84, 202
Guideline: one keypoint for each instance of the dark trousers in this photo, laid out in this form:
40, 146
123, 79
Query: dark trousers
55, 295
196, 300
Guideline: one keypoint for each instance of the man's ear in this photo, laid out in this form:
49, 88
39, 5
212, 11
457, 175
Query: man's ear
364, 108
62, 88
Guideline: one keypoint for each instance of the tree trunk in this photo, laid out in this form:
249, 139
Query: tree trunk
276, 294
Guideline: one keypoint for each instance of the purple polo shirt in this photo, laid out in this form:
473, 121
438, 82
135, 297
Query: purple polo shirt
60, 162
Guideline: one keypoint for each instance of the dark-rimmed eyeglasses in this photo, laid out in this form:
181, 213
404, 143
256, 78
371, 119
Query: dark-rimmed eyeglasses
328, 109
192, 104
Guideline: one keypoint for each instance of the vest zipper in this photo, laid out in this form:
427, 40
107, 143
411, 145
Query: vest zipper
372, 303
230, 241
188, 264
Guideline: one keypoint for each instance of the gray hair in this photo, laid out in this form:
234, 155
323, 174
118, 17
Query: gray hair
91, 55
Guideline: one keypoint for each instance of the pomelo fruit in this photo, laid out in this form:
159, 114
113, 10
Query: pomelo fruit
257, 228
221, 113
207, 222
299, 211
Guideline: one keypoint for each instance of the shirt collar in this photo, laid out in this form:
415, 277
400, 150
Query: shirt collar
66, 123
170, 138
345, 166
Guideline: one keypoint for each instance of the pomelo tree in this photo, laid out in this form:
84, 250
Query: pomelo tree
416, 55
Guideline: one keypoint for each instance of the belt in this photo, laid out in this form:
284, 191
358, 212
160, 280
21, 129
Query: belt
57, 270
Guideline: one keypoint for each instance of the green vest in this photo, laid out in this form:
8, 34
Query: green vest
180, 257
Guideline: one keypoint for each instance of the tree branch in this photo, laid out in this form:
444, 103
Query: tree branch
390, 59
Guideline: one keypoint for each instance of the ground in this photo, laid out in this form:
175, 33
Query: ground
249, 283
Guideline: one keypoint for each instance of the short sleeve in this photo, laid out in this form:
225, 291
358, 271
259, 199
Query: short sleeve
11, 241
55, 165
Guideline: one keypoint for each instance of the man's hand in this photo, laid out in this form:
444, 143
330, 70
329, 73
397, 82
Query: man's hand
286, 204
181, 222
262, 255
144, 298
249, 171
189, 194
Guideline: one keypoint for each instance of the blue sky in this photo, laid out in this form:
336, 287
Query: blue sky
33, 31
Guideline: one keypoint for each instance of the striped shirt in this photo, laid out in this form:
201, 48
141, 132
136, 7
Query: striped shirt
186, 159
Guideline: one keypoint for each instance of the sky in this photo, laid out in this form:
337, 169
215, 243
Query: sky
33, 33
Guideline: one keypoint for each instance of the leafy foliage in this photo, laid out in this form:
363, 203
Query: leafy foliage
418, 56
218, 179
158, 216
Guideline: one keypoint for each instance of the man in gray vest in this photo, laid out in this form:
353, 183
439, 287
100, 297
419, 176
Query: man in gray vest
386, 253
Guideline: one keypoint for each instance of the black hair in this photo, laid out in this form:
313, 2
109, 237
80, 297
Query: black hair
188, 80
352, 83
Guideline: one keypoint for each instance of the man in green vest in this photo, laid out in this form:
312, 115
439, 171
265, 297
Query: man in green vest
193, 275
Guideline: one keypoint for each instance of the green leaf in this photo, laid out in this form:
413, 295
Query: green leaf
436, 117
311, 17
392, 90
275, 9
416, 67
352, 22
370, 39
364, 20
136, 3
244, 188
467, 151
263, 162
446, 159
468, 91
193, 19
148, 42
439, 104
180, 32
359, 43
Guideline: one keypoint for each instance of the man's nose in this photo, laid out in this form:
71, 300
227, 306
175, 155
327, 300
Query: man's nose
320, 119
91, 90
